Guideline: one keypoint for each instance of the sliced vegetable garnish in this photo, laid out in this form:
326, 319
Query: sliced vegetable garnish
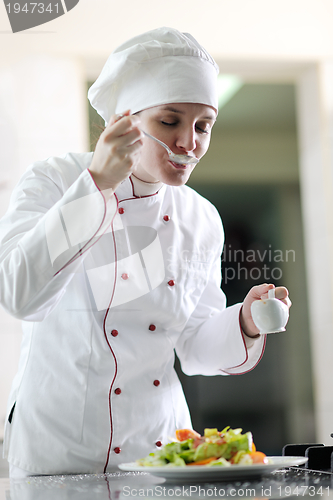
214, 448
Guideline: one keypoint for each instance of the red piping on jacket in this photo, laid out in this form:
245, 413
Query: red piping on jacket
81, 252
104, 322
108, 343
247, 356
138, 197
108, 487
135, 196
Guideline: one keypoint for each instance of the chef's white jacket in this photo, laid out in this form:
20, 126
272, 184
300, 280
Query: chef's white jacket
108, 288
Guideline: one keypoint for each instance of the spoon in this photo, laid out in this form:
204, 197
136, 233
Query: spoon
181, 159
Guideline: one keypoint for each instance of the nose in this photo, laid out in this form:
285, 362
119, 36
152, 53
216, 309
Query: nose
186, 140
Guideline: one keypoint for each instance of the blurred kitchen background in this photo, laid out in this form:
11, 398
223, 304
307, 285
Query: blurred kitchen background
268, 172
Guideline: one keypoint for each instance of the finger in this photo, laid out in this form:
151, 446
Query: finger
287, 301
131, 137
125, 140
120, 136
125, 131
261, 291
281, 292
115, 118
130, 149
126, 123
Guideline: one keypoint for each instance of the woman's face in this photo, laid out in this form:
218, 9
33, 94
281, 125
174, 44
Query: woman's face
185, 128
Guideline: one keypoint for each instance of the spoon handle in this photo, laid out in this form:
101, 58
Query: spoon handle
157, 140
181, 159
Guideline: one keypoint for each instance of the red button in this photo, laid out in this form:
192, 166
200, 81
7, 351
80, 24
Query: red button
156, 383
166, 218
117, 391
114, 333
121, 210
124, 276
152, 328
171, 283
158, 443
117, 450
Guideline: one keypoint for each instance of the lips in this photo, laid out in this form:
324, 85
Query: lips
178, 165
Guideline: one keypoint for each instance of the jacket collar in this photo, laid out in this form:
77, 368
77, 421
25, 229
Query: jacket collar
126, 191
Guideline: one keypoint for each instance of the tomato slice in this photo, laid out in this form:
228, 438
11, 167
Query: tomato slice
204, 462
258, 457
183, 434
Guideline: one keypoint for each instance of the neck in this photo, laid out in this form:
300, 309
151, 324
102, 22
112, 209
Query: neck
143, 188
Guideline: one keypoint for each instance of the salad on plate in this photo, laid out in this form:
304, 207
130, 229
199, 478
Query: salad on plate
213, 449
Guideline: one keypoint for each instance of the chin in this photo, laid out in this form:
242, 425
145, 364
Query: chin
176, 178
178, 181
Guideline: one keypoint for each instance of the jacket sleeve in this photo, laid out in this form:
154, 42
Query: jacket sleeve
53, 219
212, 342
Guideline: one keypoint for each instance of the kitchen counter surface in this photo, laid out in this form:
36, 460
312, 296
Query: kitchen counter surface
286, 483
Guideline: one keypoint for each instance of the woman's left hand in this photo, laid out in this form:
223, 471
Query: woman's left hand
257, 293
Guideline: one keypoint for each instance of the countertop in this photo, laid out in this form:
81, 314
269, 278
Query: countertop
294, 482
286, 483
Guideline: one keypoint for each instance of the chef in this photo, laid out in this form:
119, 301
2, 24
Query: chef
113, 264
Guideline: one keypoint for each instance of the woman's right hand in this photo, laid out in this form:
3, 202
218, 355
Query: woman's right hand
117, 151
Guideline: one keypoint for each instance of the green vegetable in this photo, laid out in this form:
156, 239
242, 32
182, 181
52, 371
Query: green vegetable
210, 432
225, 445
221, 462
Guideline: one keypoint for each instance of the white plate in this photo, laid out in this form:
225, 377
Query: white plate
202, 473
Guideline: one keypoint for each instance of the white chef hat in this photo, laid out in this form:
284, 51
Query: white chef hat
158, 67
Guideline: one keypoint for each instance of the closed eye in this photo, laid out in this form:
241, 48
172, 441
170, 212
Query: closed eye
201, 130
169, 124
